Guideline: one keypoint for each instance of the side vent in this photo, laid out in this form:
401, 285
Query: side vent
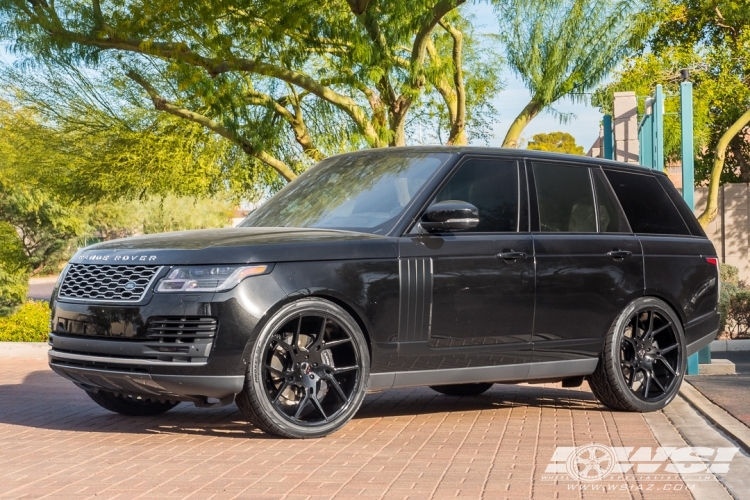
181, 330
415, 317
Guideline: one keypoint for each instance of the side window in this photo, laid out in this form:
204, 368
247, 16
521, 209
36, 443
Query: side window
646, 204
565, 198
611, 217
492, 187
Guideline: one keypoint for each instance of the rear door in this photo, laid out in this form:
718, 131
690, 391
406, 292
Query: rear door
589, 263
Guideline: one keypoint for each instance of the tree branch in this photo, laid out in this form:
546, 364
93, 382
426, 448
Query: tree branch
162, 104
419, 47
181, 52
457, 134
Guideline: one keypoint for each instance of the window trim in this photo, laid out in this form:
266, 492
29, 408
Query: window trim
412, 229
564, 163
613, 197
652, 175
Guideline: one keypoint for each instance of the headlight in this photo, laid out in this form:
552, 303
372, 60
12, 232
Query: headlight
207, 278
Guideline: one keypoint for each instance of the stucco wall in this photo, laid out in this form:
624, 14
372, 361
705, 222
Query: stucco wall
730, 231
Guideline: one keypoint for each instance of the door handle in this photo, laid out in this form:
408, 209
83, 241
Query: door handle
619, 254
511, 256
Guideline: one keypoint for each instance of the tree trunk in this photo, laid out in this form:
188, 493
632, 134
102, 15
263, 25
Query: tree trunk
736, 147
712, 209
524, 117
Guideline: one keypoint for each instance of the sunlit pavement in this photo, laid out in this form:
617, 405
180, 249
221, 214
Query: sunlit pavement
56, 442
731, 392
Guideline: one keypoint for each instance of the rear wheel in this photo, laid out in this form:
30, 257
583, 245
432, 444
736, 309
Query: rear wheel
127, 405
308, 371
644, 358
463, 389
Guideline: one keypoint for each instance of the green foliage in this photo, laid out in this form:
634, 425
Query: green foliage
729, 274
29, 324
737, 324
557, 142
14, 275
712, 39
285, 83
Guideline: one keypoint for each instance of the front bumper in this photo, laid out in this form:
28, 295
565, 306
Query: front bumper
112, 348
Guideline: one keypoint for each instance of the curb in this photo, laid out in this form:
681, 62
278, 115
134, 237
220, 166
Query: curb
30, 350
730, 345
715, 414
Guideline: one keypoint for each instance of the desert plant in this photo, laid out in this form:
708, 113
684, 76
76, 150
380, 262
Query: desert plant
29, 324
738, 315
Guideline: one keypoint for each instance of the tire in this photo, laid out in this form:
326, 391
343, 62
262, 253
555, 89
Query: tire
463, 389
643, 360
308, 371
130, 406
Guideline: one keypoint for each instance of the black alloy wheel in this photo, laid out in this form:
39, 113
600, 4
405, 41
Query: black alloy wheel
644, 358
309, 371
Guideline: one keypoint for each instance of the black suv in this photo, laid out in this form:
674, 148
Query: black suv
448, 267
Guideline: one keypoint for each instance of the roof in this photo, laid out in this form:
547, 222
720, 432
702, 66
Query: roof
527, 153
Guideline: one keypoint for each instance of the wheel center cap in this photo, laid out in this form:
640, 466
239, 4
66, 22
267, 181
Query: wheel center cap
305, 367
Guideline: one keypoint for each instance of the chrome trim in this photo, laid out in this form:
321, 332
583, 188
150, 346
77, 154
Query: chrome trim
54, 354
63, 298
501, 373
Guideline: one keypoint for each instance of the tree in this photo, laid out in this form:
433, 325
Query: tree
565, 48
14, 274
558, 142
287, 83
711, 38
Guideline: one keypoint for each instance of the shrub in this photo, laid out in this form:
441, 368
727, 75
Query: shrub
29, 324
14, 275
738, 315
729, 274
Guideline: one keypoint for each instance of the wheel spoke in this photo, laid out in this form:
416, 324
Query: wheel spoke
302, 405
665, 363
278, 394
662, 328
656, 380
669, 349
285, 346
295, 338
320, 408
344, 369
319, 340
632, 377
339, 390
650, 331
629, 341
334, 343
648, 384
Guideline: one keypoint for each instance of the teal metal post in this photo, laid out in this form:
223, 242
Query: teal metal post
647, 137
688, 190
658, 115
608, 139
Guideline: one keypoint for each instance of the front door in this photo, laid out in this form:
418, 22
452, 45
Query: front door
472, 291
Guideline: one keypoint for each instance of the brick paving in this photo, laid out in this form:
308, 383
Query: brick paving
55, 442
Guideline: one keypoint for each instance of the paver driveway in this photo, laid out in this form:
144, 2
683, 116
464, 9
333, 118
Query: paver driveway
403, 443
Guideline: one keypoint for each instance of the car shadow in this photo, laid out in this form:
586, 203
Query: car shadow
46, 401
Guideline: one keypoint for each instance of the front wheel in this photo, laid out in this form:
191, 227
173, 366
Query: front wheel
126, 405
644, 358
308, 371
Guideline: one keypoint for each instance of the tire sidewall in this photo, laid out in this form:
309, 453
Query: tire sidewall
255, 386
613, 356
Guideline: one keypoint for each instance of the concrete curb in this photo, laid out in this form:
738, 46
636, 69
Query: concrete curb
32, 350
729, 425
730, 345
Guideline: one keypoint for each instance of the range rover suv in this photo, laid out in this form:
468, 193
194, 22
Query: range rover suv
453, 268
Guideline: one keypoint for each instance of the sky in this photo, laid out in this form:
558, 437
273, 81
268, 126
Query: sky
509, 102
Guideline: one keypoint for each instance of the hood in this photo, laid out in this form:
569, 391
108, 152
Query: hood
239, 245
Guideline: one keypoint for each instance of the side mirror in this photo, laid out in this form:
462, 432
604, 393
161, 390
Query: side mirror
450, 215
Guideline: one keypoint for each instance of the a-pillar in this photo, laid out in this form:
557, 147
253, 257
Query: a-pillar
626, 127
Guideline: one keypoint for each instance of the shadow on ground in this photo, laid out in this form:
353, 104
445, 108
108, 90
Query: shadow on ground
46, 401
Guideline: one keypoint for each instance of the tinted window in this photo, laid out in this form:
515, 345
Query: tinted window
565, 198
492, 187
611, 217
646, 204
366, 192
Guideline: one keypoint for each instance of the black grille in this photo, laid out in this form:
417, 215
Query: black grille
116, 283
180, 330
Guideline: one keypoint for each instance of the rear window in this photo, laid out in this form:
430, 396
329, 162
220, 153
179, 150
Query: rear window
565, 198
647, 206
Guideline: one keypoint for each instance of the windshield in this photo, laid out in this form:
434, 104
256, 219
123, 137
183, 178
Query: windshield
363, 192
